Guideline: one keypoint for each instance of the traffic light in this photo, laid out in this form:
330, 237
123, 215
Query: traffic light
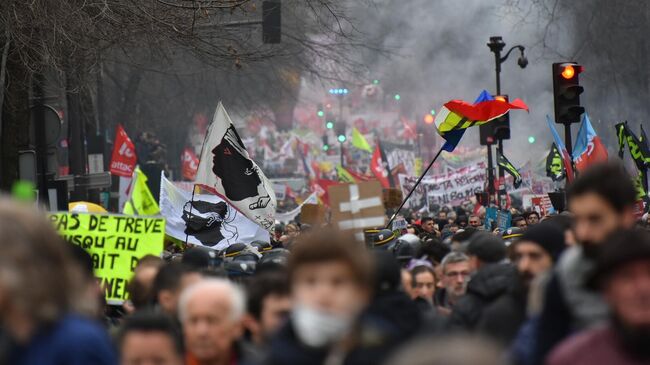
339, 130
271, 21
329, 121
326, 143
531, 139
428, 119
566, 92
320, 111
496, 129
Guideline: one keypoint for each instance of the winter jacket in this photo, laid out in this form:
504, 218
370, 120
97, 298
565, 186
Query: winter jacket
569, 306
599, 346
486, 286
502, 319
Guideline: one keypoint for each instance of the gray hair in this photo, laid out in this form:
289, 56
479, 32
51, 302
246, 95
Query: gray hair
453, 258
235, 293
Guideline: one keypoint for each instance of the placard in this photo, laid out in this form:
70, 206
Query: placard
115, 242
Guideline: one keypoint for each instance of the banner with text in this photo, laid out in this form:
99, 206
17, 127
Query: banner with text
115, 242
453, 188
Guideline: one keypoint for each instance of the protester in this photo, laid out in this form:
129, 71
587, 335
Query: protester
40, 288
623, 273
150, 338
490, 280
475, 221
455, 276
519, 222
532, 218
268, 306
330, 281
449, 350
601, 200
170, 282
211, 312
424, 284
534, 253
428, 228
140, 287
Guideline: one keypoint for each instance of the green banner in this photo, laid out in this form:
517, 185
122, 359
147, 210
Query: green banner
115, 242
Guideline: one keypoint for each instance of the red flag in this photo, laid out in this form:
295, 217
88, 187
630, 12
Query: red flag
320, 187
378, 167
190, 164
485, 110
589, 148
124, 159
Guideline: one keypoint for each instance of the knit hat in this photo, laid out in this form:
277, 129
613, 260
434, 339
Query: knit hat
548, 235
487, 247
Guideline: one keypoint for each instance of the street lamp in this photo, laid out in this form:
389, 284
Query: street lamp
497, 45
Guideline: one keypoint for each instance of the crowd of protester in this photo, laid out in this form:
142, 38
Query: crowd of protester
571, 288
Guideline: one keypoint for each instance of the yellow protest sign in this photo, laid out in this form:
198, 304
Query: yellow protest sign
115, 242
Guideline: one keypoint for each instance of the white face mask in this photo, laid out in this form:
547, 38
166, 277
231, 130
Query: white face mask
317, 328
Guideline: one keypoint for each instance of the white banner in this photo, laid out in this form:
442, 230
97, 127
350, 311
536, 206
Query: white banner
207, 220
291, 215
453, 188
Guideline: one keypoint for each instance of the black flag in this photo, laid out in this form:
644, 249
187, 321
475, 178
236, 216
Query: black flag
554, 165
510, 168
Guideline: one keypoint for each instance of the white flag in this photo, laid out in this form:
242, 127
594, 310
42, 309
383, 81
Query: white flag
206, 220
226, 167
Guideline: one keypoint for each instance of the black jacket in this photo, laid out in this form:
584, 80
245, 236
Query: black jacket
488, 284
502, 319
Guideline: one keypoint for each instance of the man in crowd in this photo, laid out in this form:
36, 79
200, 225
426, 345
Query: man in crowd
429, 228
424, 284
491, 279
602, 201
211, 313
150, 338
534, 254
519, 222
532, 218
170, 282
623, 274
475, 221
141, 285
269, 305
455, 276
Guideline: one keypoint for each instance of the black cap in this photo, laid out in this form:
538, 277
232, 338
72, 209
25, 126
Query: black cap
200, 257
487, 247
547, 235
620, 248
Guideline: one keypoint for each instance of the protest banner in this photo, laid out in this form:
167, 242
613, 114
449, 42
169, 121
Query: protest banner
494, 218
313, 214
115, 242
357, 206
539, 203
452, 188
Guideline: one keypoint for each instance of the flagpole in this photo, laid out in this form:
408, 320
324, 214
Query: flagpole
187, 235
414, 187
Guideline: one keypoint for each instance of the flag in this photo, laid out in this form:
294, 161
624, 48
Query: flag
410, 132
620, 133
141, 201
510, 169
635, 146
226, 167
359, 177
588, 149
457, 115
204, 218
344, 175
291, 215
379, 167
554, 165
566, 158
320, 187
644, 145
639, 182
190, 164
123, 159
359, 141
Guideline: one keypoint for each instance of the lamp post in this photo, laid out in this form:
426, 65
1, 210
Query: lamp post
496, 45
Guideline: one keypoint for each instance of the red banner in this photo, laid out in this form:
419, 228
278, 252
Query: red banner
190, 164
124, 159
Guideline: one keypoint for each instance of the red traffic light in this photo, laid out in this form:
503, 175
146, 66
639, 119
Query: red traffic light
569, 71
428, 119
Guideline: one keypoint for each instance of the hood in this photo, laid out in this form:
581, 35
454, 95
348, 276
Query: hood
492, 280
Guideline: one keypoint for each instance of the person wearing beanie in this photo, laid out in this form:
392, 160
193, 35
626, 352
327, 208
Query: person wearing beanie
491, 279
533, 253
